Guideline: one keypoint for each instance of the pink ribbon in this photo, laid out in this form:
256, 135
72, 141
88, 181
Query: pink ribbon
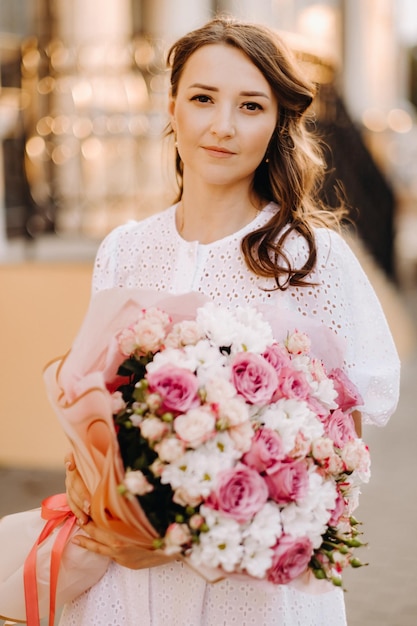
56, 512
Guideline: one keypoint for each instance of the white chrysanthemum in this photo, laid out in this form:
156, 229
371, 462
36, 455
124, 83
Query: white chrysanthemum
325, 392
217, 323
266, 527
172, 356
309, 517
253, 331
219, 389
221, 545
289, 417
209, 361
256, 560
240, 329
302, 363
197, 470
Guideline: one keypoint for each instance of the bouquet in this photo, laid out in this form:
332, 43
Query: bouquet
224, 437
241, 450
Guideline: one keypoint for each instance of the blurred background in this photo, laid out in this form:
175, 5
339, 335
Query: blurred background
83, 95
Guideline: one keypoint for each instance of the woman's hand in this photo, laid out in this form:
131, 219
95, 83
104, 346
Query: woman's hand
103, 541
118, 549
77, 494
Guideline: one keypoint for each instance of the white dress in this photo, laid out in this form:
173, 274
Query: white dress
152, 255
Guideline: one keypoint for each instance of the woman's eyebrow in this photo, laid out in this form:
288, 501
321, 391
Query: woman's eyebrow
260, 94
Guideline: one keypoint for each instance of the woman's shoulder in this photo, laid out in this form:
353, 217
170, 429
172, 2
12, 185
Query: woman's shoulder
148, 222
329, 243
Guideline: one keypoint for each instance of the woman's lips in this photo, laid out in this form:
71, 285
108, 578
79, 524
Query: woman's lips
217, 151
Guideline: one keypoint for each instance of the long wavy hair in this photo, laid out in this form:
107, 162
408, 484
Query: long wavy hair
293, 169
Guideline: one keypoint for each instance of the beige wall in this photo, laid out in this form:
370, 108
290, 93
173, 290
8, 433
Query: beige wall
41, 308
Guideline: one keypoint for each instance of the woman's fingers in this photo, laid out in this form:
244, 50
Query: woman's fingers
123, 552
77, 494
69, 461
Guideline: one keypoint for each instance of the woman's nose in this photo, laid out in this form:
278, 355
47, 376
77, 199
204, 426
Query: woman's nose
223, 122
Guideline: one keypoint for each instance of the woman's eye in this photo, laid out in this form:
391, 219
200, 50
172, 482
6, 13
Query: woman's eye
201, 98
252, 106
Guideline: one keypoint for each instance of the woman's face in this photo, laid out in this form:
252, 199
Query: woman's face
223, 115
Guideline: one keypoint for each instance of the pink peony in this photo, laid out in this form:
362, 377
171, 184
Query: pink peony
254, 378
240, 493
348, 394
340, 428
291, 558
177, 387
287, 482
265, 451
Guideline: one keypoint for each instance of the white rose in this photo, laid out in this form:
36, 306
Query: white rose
117, 402
233, 411
184, 497
355, 455
219, 389
242, 436
153, 429
195, 426
183, 334
127, 341
176, 536
136, 483
322, 448
298, 343
170, 449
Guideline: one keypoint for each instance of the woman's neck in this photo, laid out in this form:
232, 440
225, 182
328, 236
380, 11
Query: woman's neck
210, 217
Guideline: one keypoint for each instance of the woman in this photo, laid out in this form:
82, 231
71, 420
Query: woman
247, 228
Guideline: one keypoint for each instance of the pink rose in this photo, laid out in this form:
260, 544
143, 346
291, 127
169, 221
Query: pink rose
277, 356
340, 428
287, 482
265, 451
177, 387
348, 394
291, 558
240, 493
254, 378
292, 384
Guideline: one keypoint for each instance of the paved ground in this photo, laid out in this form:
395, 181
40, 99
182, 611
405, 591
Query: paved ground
381, 594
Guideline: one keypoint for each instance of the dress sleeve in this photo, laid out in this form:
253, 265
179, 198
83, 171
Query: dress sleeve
345, 302
106, 261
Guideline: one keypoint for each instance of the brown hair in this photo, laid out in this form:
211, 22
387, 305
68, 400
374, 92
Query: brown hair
294, 168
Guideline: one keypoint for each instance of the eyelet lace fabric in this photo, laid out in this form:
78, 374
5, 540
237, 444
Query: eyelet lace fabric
151, 255
174, 595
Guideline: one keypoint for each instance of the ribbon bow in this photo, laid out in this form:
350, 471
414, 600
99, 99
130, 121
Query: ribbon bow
56, 512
